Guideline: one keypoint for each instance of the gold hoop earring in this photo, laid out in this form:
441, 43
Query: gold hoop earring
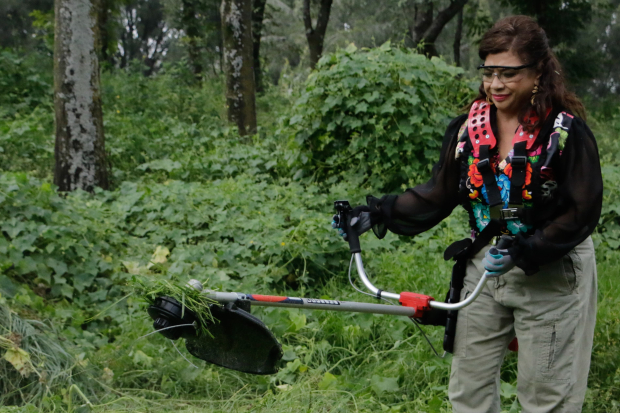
534, 92
489, 101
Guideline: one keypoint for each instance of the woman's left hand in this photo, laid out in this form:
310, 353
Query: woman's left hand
497, 262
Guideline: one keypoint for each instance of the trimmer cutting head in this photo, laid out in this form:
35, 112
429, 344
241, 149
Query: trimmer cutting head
237, 339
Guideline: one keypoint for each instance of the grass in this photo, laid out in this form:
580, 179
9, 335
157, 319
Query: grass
336, 362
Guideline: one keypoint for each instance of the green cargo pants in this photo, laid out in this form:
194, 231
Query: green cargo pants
552, 313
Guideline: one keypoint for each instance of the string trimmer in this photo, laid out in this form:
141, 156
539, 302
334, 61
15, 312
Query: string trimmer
237, 340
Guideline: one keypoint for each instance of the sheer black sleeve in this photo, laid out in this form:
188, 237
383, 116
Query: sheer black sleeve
580, 198
422, 207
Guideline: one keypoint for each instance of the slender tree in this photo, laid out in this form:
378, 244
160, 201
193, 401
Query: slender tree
80, 144
144, 35
258, 14
105, 17
190, 24
458, 36
238, 61
425, 26
316, 35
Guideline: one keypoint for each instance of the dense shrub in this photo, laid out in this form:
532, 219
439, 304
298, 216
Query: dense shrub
379, 113
24, 82
606, 131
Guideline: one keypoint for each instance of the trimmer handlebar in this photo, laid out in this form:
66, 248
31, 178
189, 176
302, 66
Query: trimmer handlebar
420, 302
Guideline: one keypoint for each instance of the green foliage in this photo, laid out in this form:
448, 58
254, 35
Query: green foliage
606, 132
194, 200
378, 113
24, 85
43, 25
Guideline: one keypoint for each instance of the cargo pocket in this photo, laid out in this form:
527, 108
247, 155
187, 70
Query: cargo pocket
572, 269
460, 338
556, 347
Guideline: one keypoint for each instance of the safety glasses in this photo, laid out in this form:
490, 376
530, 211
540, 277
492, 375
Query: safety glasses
505, 74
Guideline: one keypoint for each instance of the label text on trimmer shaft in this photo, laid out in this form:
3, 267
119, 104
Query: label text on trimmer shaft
319, 301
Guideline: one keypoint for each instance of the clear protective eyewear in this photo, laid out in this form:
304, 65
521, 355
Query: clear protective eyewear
507, 74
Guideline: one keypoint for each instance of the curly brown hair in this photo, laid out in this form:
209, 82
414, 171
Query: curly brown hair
523, 36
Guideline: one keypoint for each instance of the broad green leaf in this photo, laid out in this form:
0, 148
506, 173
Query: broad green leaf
20, 360
160, 256
328, 381
142, 359
382, 385
508, 391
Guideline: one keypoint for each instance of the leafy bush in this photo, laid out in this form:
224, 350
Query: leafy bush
379, 113
606, 131
24, 82
27, 142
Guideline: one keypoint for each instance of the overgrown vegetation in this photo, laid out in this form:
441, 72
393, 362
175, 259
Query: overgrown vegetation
191, 199
377, 115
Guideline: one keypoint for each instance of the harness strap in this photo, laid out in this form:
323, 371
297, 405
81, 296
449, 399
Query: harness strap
488, 177
519, 164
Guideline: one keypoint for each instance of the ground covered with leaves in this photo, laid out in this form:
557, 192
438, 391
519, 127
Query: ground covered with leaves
192, 199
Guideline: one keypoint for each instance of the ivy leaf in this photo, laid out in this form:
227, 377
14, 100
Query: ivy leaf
59, 267
298, 320
19, 359
361, 107
508, 391
134, 268
160, 256
434, 405
142, 359
82, 281
13, 228
327, 381
382, 385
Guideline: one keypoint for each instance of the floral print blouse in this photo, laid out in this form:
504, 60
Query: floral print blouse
566, 184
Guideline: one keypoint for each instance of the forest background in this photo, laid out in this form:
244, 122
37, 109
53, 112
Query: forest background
192, 190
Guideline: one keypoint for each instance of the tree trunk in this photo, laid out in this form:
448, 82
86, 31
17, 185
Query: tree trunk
190, 25
80, 144
238, 58
316, 35
458, 34
258, 13
427, 28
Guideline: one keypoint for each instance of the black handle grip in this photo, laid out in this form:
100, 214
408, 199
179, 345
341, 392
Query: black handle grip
344, 222
353, 238
505, 241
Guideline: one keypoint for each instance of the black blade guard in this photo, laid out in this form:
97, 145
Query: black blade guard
238, 340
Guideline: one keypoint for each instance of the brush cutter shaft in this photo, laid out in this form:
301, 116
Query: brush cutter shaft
311, 303
350, 306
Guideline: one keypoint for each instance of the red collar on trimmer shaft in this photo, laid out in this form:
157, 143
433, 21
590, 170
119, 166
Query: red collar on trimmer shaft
420, 302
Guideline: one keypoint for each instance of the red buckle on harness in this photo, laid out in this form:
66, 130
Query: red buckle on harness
419, 302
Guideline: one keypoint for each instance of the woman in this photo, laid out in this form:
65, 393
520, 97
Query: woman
542, 186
